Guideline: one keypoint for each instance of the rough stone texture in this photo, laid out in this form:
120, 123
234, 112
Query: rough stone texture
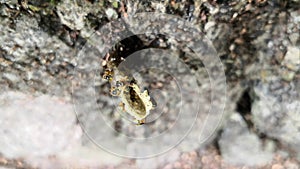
71, 14
43, 131
31, 60
25, 120
279, 120
257, 42
241, 147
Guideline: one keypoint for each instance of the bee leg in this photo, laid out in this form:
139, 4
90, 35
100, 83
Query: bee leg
122, 105
114, 91
141, 122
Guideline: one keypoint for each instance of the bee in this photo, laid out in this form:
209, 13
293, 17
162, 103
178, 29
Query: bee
133, 101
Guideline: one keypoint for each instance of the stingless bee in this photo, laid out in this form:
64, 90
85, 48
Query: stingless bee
133, 101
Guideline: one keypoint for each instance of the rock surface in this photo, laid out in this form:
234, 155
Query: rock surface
239, 146
41, 43
25, 120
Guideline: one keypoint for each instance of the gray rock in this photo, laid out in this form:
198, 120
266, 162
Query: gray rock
32, 60
241, 147
292, 58
37, 61
35, 126
71, 14
111, 13
276, 111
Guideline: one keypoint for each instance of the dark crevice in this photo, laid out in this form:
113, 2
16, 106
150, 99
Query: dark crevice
243, 107
51, 24
96, 22
216, 141
134, 43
